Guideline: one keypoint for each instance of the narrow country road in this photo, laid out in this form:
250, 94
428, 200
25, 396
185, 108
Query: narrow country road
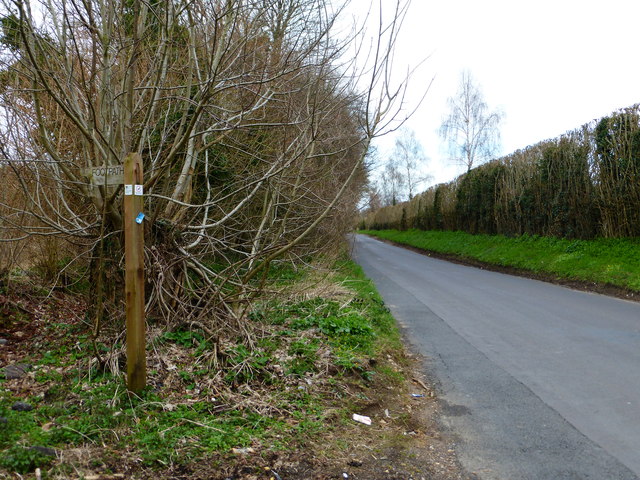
535, 381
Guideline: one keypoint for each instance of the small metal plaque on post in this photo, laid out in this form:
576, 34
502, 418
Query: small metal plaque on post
106, 175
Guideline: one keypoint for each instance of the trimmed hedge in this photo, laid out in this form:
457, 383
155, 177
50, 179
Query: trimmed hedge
583, 184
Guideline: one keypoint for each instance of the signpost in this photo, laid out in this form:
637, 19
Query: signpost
134, 272
130, 174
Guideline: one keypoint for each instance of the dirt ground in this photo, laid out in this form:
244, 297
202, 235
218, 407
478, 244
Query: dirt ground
404, 442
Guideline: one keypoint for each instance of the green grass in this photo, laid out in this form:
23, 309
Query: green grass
358, 329
100, 412
195, 410
606, 261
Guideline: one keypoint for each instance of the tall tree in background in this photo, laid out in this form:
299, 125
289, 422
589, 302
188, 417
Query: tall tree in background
251, 124
471, 130
401, 172
408, 152
393, 182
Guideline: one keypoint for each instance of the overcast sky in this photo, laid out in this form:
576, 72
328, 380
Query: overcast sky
550, 65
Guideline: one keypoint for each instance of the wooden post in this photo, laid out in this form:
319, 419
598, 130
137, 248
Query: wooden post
134, 273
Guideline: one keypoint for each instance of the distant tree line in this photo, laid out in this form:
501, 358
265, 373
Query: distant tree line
583, 184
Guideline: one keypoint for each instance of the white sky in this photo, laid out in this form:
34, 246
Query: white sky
550, 65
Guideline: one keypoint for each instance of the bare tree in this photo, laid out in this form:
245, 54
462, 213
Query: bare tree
251, 126
392, 182
410, 155
471, 130
372, 199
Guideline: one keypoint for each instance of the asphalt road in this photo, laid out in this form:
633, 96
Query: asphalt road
535, 381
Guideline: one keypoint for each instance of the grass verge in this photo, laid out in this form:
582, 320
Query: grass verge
605, 261
215, 407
